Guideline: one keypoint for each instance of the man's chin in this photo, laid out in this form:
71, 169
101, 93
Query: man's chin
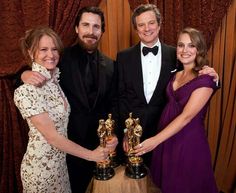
90, 47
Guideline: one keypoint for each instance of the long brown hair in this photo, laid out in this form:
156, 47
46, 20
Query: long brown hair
199, 42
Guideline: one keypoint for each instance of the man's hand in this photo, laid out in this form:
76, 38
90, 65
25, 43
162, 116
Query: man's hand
210, 71
33, 78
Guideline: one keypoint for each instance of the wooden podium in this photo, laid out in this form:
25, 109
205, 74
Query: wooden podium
120, 183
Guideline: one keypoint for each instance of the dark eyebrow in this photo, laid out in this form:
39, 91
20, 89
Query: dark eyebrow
84, 22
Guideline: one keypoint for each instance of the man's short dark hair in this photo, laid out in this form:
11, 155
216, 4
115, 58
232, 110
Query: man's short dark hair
143, 8
94, 10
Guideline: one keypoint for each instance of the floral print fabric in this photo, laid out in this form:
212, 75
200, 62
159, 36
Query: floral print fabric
43, 168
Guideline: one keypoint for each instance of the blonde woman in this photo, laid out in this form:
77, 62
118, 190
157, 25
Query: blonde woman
46, 110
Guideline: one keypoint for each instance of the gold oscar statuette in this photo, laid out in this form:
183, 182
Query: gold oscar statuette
110, 125
103, 170
135, 167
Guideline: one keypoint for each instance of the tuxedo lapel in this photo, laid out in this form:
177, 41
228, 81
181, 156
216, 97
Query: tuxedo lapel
77, 78
136, 72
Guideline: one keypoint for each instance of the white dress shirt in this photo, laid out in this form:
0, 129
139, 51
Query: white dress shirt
151, 67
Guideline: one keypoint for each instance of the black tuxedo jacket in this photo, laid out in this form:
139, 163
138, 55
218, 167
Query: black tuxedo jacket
83, 121
131, 93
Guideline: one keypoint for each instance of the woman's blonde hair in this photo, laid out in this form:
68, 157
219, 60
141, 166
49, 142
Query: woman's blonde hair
30, 41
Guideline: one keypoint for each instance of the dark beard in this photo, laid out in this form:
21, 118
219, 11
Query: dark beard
88, 47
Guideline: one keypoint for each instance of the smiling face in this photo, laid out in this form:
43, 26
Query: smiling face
147, 28
46, 54
89, 31
186, 50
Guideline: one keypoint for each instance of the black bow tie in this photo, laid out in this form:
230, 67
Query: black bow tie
146, 50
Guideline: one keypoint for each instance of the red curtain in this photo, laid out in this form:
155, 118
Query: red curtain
16, 17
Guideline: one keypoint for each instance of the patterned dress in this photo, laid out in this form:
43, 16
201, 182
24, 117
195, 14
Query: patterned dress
43, 168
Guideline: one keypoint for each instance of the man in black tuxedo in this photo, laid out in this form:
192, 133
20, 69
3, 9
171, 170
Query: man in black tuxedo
87, 78
144, 72
88, 81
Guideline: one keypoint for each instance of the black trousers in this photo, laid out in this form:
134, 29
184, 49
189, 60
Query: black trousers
80, 173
